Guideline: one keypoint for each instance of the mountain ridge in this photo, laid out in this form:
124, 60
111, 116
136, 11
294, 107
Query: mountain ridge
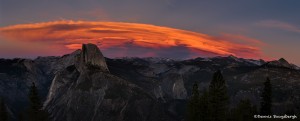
164, 85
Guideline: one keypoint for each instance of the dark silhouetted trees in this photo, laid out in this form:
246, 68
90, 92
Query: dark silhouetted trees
266, 98
198, 105
193, 109
35, 112
204, 106
244, 111
3, 111
218, 98
212, 105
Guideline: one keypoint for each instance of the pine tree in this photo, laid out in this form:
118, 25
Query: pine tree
35, 112
3, 111
244, 111
266, 98
193, 105
204, 106
218, 98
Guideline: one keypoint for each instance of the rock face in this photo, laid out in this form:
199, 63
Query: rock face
85, 86
86, 91
174, 86
173, 81
281, 63
91, 55
16, 76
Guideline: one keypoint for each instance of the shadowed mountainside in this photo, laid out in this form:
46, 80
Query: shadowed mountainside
84, 85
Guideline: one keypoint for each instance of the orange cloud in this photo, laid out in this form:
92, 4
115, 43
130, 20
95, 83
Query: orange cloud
129, 37
241, 39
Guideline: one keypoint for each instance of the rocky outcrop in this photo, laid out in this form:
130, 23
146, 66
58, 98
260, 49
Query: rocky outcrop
173, 86
88, 92
16, 76
91, 55
281, 63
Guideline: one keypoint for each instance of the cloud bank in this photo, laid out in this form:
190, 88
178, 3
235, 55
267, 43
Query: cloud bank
117, 39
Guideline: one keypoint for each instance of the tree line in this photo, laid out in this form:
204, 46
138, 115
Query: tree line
213, 104
33, 113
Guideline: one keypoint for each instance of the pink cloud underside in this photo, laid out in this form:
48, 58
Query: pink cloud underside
117, 38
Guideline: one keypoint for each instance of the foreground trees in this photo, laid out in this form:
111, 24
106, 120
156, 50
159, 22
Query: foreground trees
218, 98
211, 105
3, 111
266, 98
204, 106
194, 105
35, 111
244, 111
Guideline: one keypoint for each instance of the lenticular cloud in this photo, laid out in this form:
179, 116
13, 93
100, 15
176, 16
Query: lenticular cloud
117, 39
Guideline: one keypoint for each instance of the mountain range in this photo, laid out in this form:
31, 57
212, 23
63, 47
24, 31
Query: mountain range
86, 86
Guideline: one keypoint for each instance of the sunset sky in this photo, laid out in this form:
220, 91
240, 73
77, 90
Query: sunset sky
181, 29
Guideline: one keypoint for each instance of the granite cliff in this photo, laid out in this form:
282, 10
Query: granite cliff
86, 91
86, 86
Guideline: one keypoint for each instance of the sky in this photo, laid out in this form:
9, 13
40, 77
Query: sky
268, 29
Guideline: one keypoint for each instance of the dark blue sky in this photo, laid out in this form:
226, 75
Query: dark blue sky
274, 22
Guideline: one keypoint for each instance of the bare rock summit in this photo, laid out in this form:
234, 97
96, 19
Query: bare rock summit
91, 55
